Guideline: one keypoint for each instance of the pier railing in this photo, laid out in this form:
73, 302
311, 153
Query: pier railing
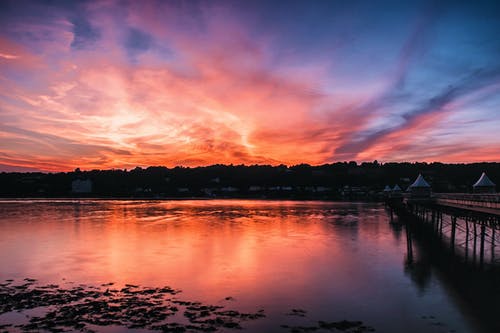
470, 200
467, 221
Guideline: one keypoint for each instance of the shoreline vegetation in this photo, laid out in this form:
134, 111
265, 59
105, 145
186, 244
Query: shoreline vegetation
87, 308
343, 181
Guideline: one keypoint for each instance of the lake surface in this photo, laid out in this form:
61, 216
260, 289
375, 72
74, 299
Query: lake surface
334, 261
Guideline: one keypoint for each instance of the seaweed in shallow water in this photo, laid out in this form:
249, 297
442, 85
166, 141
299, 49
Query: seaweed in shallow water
80, 308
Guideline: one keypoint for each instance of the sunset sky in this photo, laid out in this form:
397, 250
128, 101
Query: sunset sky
119, 84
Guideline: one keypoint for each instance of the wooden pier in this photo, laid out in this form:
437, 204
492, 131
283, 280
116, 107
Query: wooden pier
470, 223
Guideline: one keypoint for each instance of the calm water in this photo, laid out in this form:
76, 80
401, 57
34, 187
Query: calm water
334, 260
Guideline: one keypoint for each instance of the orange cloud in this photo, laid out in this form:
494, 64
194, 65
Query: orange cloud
204, 89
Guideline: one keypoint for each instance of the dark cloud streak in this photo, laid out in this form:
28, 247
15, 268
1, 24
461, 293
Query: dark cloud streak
475, 81
84, 34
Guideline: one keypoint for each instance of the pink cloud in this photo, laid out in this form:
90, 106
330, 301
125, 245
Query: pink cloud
206, 91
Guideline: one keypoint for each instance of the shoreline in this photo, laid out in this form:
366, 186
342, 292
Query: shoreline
184, 199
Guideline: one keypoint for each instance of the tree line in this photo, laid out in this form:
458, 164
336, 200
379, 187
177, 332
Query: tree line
334, 180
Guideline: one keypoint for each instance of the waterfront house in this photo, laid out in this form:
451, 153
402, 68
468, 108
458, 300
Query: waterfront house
229, 189
81, 186
254, 188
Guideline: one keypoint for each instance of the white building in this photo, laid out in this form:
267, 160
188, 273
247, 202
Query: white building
254, 188
229, 189
81, 186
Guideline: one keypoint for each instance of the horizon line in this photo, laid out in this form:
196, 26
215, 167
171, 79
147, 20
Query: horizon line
22, 169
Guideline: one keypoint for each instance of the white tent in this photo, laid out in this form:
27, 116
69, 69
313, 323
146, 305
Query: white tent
484, 185
420, 182
420, 187
483, 181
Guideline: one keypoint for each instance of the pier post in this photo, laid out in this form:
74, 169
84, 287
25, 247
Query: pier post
453, 229
493, 243
466, 238
441, 225
409, 246
475, 239
481, 253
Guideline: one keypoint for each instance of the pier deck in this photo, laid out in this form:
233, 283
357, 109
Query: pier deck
469, 221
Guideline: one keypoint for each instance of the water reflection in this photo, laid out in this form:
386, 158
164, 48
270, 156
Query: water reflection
474, 289
335, 260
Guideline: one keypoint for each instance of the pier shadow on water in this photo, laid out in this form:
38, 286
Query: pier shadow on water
475, 288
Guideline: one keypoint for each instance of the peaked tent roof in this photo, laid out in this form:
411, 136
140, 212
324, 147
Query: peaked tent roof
420, 182
387, 188
397, 188
484, 181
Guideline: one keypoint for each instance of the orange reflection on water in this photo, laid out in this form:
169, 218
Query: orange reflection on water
335, 259
202, 247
